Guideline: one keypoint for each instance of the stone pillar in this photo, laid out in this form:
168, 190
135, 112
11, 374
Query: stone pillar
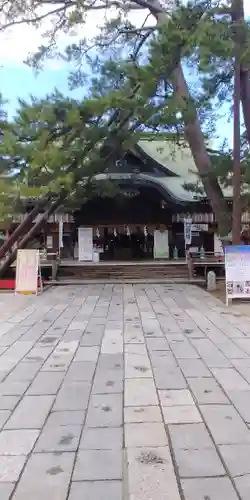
211, 281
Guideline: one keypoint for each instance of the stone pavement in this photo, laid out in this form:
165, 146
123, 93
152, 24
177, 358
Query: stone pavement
134, 392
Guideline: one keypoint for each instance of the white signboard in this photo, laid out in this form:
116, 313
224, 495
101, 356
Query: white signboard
218, 247
237, 266
60, 235
49, 241
161, 247
188, 231
85, 243
199, 227
28, 271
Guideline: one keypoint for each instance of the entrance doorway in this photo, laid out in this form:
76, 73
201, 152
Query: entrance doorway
129, 244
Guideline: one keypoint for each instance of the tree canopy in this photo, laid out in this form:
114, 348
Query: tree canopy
133, 80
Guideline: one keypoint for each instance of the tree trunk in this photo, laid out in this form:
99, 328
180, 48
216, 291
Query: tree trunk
21, 229
245, 98
236, 180
195, 139
28, 237
237, 15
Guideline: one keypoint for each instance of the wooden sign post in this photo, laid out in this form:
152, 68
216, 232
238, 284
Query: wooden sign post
28, 272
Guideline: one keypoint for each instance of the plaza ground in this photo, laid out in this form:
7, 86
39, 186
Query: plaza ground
124, 392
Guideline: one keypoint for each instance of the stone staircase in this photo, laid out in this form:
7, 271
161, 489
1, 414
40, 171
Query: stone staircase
124, 272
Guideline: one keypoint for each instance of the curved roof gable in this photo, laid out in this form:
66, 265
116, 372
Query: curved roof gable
175, 158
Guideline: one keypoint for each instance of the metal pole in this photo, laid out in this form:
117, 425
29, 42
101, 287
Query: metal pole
236, 180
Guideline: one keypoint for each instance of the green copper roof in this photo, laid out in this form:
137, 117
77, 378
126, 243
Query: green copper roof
176, 158
178, 161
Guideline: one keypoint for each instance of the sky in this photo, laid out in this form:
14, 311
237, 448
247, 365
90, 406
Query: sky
17, 80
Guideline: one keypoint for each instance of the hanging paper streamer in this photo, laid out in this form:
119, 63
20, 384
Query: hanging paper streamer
60, 235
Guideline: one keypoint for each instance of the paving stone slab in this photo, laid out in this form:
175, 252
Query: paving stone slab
105, 410
73, 396
243, 486
218, 488
37, 354
3, 375
163, 359
58, 439
182, 397
140, 392
4, 415
89, 353
145, 434
137, 414
112, 342
181, 414
31, 413
17, 442
97, 465
225, 424
194, 368
110, 361
106, 438
81, 371
108, 381
9, 402
23, 371
10, 468
237, 458
230, 379
212, 356
200, 462
157, 344
96, 490
133, 335
6, 490
207, 391
93, 338
183, 350
241, 401
61, 357
139, 349
137, 366
46, 475
169, 378
15, 388
151, 474
232, 351
190, 436
46, 383
58, 418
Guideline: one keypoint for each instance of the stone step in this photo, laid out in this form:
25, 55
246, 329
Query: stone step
123, 272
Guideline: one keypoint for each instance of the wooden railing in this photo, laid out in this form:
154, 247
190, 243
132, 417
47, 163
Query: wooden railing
210, 257
208, 260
